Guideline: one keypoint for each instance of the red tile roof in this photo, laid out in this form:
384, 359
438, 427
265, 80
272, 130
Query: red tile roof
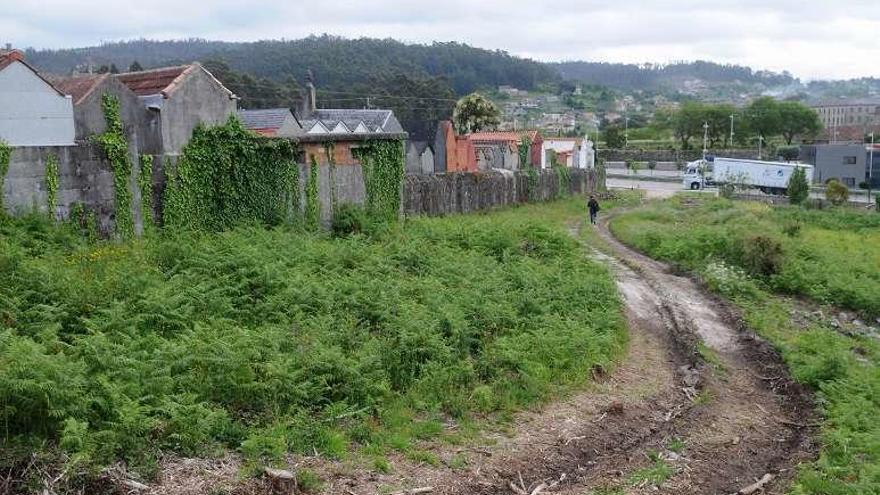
79, 87
156, 81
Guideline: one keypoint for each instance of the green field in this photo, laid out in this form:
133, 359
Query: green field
268, 341
754, 254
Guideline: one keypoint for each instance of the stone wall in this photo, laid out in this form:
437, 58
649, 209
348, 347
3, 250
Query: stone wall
468, 192
85, 177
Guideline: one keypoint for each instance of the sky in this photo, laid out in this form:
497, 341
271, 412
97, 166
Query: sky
812, 39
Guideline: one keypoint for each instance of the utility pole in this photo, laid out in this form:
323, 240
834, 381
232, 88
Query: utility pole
760, 145
625, 132
870, 166
731, 130
705, 139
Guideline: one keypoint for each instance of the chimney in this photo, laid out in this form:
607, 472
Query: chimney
309, 103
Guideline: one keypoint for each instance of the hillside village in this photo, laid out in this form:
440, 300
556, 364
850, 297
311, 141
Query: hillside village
358, 266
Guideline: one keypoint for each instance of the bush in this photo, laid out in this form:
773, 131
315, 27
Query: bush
798, 187
762, 256
351, 219
792, 229
836, 192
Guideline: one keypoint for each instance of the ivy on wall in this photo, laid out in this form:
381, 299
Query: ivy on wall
145, 186
313, 207
5, 154
115, 146
51, 184
227, 175
383, 166
329, 150
293, 201
563, 175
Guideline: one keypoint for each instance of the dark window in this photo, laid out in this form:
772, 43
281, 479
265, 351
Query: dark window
849, 181
849, 160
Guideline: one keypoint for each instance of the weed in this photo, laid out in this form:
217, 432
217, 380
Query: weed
423, 457
656, 474
381, 465
676, 445
308, 481
458, 461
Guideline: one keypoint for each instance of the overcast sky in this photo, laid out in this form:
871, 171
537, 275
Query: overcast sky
813, 39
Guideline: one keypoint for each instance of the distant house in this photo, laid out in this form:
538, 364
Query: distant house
179, 99
483, 150
848, 163
563, 148
346, 128
271, 122
419, 157
87, 92
34, 112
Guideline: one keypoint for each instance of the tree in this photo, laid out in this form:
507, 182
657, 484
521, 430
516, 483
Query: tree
114, 69
135, 67
798, 187
836, 192
763, 117
718, 118
474, 113
103, 69
614, 138
688, 121
797, 119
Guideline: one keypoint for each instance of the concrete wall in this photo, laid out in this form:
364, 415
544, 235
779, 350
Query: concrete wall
496, 156
198, 100
465, 192
32, 113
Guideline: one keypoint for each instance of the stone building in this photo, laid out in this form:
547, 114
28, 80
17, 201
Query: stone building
34, 112
87, 92
419, 157
178, 99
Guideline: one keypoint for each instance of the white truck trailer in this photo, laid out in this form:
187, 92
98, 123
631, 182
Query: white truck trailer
769, 177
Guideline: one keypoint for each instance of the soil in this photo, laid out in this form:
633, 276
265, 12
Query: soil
698, 397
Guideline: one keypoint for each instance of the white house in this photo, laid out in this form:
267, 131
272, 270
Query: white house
564, 148
32, 111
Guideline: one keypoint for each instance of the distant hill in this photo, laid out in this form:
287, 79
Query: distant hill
668, 77
336, 62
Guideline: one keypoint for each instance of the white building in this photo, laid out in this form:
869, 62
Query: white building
564, 149
32, 111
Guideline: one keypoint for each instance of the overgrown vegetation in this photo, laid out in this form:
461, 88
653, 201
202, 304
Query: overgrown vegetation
51, 183
268, 341
383, 166
145, 186
227, 176
5, 155
798, 186
115, 146
747, 251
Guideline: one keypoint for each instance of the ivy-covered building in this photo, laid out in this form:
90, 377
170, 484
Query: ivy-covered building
87, 92
271, 122
178, 99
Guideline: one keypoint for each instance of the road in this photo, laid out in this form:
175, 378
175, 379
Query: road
658, 189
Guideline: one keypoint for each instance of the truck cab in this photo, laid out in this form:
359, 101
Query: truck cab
695, 175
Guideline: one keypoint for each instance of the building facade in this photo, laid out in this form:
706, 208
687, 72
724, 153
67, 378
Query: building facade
848, 120
34, 112
847, 163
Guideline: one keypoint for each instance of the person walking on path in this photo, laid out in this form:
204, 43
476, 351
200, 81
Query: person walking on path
593, 206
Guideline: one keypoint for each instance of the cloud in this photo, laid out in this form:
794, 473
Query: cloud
805, 37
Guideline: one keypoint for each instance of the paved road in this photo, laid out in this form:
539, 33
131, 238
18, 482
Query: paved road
658, 189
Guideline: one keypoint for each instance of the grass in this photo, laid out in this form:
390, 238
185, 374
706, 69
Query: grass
821, 255
655, 475
272, 341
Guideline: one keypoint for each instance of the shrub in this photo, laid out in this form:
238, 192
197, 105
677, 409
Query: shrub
726, 190
792, 229
351, 219
836, 192
798, 187
762, 255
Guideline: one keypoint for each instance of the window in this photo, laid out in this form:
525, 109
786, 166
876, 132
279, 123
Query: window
849, 181
849, 160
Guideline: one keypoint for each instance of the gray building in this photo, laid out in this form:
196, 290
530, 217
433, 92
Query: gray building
87, 92
847, 163
271, 122
178, 99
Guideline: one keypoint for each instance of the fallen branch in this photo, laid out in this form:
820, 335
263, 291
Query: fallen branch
757, 486
415, 491
538, 489
574, 439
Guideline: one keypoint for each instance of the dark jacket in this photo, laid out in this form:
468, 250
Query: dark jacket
593, 205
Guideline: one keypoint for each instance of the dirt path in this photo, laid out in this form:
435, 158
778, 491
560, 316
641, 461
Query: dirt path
699, 405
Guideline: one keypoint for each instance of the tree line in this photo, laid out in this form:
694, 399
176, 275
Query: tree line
765, 118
